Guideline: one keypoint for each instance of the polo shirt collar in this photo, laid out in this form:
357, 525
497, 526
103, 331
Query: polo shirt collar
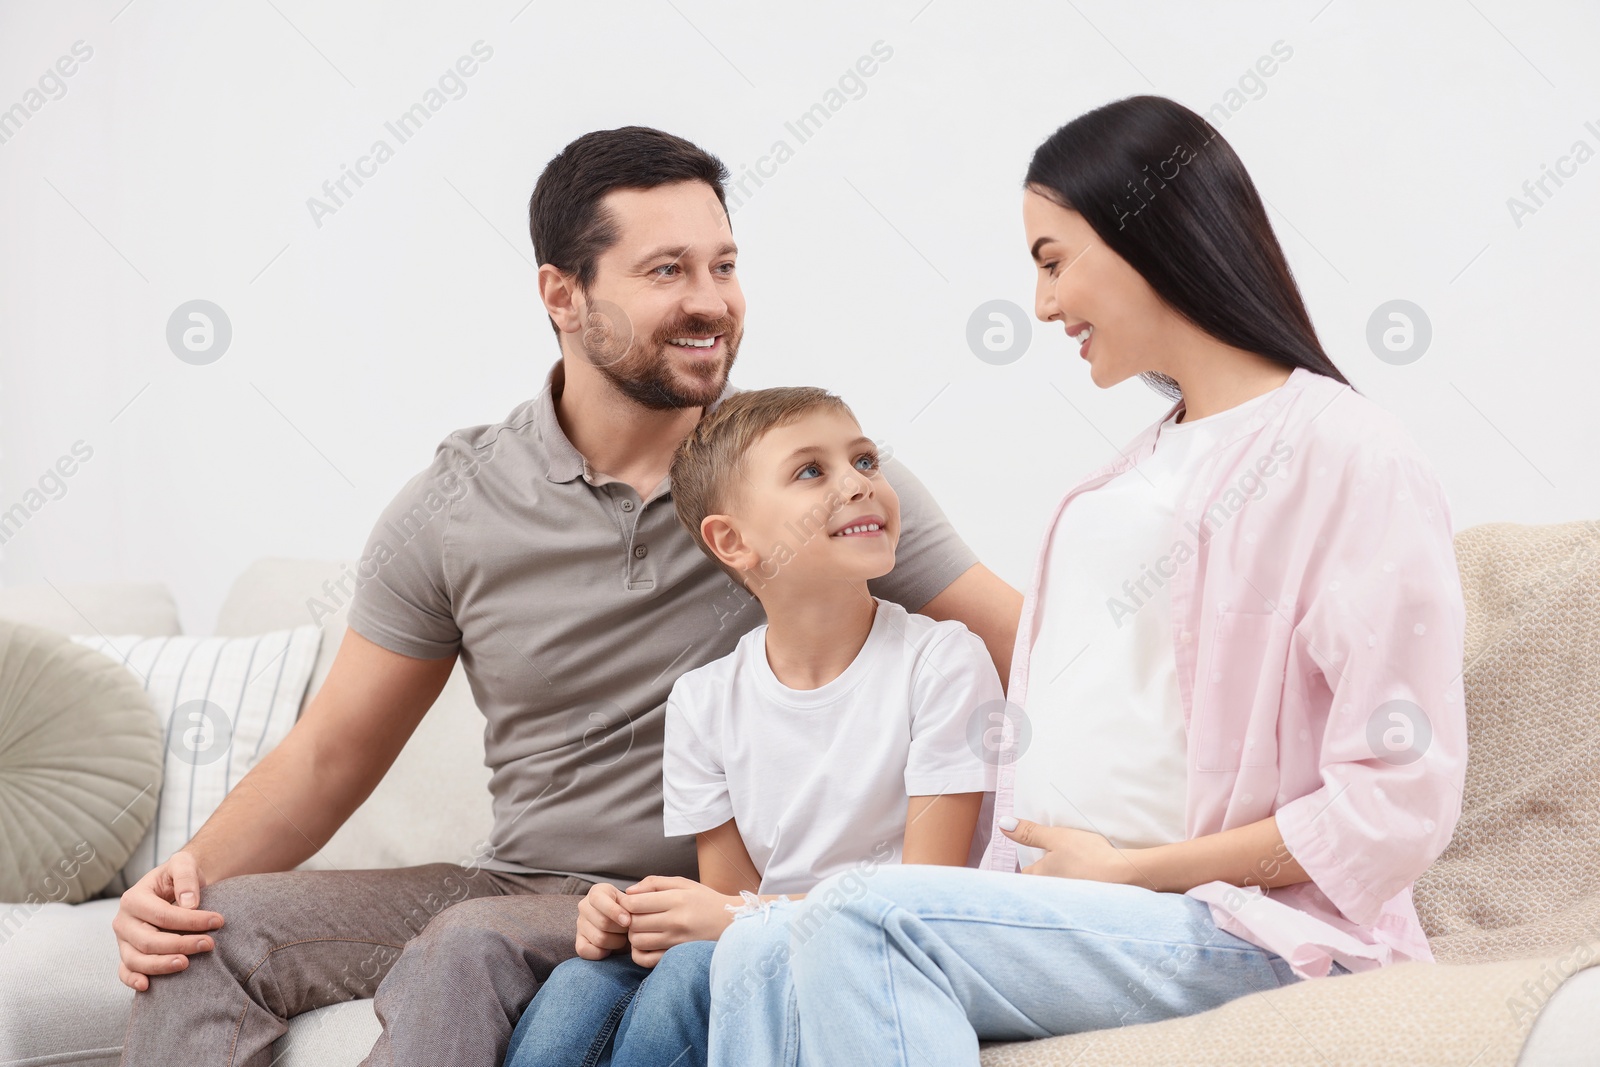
566, 462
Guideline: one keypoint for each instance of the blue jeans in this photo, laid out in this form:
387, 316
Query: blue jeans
594, 1013
915, 965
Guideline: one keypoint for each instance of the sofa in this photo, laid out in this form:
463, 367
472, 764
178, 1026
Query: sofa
61, 1002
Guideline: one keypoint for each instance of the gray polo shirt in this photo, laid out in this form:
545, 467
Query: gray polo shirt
574, 606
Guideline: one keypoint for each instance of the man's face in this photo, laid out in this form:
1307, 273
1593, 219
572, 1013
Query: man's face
810, 495
664, 316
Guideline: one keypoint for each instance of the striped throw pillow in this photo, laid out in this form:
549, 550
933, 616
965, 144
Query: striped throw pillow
223, 702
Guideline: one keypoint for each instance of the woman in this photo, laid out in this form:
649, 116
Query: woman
1237, 734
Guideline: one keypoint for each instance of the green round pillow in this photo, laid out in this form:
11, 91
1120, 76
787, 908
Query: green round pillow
80, 766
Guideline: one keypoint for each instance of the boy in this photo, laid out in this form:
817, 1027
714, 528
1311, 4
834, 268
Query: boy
833, 736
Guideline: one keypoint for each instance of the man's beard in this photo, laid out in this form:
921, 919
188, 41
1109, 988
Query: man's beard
642, 370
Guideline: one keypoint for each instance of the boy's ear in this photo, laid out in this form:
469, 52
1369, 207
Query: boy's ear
729, 545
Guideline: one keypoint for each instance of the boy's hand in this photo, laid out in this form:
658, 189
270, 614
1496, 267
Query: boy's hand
669, 911
602, 922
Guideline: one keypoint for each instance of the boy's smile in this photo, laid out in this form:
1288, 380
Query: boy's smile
862, 526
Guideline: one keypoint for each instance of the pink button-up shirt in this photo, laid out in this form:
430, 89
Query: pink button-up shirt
1318, 624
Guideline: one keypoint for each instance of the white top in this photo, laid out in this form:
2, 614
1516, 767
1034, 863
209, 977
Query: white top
818, 779
1108, 751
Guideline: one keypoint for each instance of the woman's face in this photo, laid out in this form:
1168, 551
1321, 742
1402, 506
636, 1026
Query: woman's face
1111, 315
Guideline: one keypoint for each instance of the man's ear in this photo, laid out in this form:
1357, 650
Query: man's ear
728, 543
559, 291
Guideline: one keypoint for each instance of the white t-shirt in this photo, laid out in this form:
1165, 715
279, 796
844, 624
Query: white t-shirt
1108, 752
818, 779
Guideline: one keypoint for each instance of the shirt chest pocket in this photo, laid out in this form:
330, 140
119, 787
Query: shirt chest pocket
1238, 693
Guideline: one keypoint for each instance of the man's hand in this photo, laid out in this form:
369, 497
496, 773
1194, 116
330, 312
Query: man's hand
602, 922
300, 794
669, 911
154, 913
1073, 853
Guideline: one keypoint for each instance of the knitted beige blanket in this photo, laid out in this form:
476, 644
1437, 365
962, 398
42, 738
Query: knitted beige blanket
1513, 906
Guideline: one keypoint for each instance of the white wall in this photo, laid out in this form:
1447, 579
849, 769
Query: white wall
179, 159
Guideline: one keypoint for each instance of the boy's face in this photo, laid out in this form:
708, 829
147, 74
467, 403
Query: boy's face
813, 506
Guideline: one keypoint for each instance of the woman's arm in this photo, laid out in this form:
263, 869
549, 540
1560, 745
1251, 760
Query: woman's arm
1252, 855
1382, 637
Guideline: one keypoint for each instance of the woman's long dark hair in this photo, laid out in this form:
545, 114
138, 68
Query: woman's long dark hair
1164, 191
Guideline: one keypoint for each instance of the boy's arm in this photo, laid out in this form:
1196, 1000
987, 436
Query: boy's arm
663, 911
724, 858
939, 828
725, 863
947, 778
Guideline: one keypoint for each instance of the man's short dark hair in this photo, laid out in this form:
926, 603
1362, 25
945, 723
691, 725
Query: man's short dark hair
569, 226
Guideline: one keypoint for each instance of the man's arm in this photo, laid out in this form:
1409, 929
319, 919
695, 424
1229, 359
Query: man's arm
288, 806
988, 607
928, 553
296, 798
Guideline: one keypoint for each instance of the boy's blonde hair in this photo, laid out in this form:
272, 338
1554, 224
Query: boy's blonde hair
708, 465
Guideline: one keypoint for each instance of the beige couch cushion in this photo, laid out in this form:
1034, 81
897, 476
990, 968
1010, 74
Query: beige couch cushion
1522, 874
434, 802
81, 759
98, 608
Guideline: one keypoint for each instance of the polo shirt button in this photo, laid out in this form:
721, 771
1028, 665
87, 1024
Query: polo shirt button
627, 505
639, 551
1184, 637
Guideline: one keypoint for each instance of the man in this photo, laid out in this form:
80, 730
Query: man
559, 575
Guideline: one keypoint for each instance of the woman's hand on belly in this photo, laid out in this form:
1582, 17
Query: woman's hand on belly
1251, 855
1073, 853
